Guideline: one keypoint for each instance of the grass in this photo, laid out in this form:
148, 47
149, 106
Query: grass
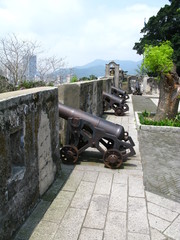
146, 118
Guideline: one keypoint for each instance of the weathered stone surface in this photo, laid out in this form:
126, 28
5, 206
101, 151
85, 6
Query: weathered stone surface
118, 198
29, 152
83, 195
137, 216
103, 185
158, 223
173, 230
151, 139
115, 226
91, 234
71, 225
96, 214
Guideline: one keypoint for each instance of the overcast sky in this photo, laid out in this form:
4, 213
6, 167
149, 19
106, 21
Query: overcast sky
80, 30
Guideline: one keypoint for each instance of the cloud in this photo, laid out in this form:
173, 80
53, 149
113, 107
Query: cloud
81, 30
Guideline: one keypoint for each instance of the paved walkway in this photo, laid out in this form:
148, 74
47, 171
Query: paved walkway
97, 203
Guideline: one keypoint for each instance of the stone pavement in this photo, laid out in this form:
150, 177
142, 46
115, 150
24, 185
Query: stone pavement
97, 203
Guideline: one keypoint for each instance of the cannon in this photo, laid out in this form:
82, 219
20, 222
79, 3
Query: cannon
86, 130
111, 101
119, 93
137, 90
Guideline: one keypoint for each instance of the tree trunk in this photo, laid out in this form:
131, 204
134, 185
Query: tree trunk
168, 104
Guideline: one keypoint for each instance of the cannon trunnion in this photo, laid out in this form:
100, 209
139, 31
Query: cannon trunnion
111, 101
86, 130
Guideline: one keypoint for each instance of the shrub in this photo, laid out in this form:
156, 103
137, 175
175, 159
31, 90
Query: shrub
147, 119
31, 84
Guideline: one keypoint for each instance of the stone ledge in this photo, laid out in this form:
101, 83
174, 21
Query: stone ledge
154, 128
24, 92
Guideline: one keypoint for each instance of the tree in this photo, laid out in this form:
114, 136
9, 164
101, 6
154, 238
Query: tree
165, 26
84, 79
162, 27
14, 55
74, 79
50, 68
158, 60
92, 77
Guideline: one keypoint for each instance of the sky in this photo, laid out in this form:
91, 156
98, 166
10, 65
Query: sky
79, 30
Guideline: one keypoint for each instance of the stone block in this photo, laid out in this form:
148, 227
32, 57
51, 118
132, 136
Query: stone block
115, 226
91, 234
136, 187
70, 226
158, 223
118, 198
83, 194
73, 181
96, 214
173, 230
137, 216
161, 212
103, 184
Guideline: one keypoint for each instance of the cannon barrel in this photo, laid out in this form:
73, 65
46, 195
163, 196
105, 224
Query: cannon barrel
118, 91
67, 112
114, 98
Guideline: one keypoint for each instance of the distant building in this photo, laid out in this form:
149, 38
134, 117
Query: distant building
30, 66
112, 70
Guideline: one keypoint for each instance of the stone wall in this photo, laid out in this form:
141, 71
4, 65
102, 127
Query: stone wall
86, 95
29, 152
150, 85
159, 148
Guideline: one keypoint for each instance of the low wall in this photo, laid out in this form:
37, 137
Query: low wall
86, 95
29, 152
159, 148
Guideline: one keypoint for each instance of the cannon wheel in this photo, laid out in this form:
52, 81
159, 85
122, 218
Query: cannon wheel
125, 107
113, 158
69, 154
118, 111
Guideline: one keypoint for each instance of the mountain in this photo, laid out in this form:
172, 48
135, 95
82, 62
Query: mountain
97, 67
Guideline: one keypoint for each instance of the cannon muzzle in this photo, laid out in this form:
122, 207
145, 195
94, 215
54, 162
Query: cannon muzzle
119, 93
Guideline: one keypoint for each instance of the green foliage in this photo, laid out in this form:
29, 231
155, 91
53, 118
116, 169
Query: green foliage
146, 119
162, 27
31, 84
158, 59
5, 86
51, 84
74, 79
84, 79
91, 77
146, 114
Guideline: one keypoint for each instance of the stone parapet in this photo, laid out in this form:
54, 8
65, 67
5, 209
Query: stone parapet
29, 152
